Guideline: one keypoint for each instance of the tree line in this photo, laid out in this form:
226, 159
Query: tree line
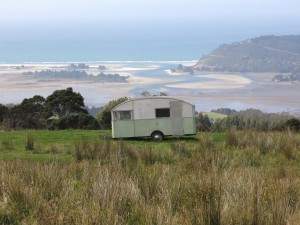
65, 109
78, 75
249, 119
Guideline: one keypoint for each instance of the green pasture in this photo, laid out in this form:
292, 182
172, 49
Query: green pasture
46, 144
49, 145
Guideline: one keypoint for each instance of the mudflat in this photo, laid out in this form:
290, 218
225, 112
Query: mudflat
207, 91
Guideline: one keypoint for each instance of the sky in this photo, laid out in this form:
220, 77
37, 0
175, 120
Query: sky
275, 16
149, 21
16, 12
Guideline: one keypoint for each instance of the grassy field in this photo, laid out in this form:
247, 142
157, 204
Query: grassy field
46, 144
84, 177
60, 144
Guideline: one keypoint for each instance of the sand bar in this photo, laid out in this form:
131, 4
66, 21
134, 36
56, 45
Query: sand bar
221, 82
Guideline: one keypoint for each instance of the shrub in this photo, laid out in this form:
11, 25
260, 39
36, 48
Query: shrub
293, 124
78, 121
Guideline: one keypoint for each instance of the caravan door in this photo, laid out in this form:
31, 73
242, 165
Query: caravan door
176, 115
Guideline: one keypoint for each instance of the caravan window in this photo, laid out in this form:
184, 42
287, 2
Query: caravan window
164, 112
123, 115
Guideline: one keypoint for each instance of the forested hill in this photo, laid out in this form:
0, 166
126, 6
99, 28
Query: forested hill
280, 54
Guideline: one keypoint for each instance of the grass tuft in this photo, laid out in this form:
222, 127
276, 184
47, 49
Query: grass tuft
29, 142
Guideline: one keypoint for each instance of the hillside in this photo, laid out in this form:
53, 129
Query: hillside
279, 54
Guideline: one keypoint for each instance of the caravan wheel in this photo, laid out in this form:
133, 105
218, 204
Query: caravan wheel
157, 136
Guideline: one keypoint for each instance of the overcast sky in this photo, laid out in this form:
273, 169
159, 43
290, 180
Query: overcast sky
135, 12
192, 27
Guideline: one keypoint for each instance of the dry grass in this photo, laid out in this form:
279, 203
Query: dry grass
253, 178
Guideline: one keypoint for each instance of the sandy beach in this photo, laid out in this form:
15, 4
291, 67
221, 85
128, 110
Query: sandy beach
206, 91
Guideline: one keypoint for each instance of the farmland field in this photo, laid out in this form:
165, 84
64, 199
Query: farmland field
84, 177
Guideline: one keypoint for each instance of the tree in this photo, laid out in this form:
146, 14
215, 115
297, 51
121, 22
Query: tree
93, 111
252, 119
145, 93
224, 111
3, 111
27, 115
78, 121
163, 93
104, 116
64, 102
293, 124
31, 114
11, 119
203, 123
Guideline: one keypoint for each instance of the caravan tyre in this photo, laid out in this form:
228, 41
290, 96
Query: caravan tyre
157, 136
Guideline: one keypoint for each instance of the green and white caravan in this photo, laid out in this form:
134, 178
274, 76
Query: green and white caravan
154, 117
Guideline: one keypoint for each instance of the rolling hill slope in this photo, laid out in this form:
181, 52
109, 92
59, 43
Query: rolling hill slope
279, 54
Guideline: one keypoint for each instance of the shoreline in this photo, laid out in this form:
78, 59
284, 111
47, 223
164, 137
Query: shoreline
112, 62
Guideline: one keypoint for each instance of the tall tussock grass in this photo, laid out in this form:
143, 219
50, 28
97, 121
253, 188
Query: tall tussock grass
115, 182
30, 142
285, 143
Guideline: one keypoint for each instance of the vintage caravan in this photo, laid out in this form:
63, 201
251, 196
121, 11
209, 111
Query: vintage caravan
154, 117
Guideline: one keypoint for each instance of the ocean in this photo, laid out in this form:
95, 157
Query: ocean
82, 51
90, 44
139, 41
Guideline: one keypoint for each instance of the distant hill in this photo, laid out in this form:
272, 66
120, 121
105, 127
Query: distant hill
213, 117
279, 54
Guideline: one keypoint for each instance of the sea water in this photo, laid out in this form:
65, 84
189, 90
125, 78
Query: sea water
94, 43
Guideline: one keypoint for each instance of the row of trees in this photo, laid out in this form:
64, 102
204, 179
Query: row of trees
248, 119
78, 75
65, 109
